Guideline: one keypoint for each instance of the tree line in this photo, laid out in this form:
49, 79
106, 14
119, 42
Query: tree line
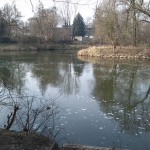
117, 22
38, 28
125, 22
42, 27
10, 23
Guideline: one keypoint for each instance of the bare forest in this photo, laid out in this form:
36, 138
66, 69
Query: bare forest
117, 22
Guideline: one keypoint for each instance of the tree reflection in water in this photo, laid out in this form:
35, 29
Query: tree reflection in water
58, 71
121, 88
33, 113
20, 111
124, 92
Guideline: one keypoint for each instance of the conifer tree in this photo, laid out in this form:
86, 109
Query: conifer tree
78, 26
3, 25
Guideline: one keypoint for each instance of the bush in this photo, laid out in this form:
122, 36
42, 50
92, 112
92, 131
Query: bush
6, 40
29, 40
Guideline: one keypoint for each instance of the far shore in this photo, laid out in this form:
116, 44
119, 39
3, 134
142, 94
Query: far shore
16, 47
128, 52
38, 47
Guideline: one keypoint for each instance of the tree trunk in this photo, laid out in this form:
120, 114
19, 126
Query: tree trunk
134, 24
11, 118
114, 48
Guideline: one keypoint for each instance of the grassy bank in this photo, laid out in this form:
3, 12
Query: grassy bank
38, 47
16, 47
60, 47
120, 52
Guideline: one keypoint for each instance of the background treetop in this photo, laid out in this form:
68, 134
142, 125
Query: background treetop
78, 26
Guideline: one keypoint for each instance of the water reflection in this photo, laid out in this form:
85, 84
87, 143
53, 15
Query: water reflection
12, 74
20, 111
124, 93
58, 71
108, 98
49, 70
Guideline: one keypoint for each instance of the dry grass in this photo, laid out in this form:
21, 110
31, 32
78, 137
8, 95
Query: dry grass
16, 47
120, 52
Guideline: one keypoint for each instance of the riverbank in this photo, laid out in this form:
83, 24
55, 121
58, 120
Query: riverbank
120, 52
16, 47
40, 47
61, 47
11, 140
85, 147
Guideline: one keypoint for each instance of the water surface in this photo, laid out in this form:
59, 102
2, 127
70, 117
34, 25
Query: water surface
103, 102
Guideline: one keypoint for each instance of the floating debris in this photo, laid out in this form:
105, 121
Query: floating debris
84, 109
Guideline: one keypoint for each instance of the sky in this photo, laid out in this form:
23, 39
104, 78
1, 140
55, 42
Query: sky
85, 7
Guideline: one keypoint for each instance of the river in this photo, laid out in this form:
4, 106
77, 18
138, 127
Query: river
102, 102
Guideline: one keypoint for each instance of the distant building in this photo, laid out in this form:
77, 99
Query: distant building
64, 34
89, 32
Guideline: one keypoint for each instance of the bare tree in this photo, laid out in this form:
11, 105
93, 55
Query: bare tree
138, 11
106, 22
44, 22
13, 18
37, 114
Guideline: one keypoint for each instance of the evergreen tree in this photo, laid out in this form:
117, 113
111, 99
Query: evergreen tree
3, 25
78, 26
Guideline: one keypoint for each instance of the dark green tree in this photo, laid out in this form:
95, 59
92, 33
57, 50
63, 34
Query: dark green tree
3, 25
78, 26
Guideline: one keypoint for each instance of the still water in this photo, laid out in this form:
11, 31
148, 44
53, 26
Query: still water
102, 102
